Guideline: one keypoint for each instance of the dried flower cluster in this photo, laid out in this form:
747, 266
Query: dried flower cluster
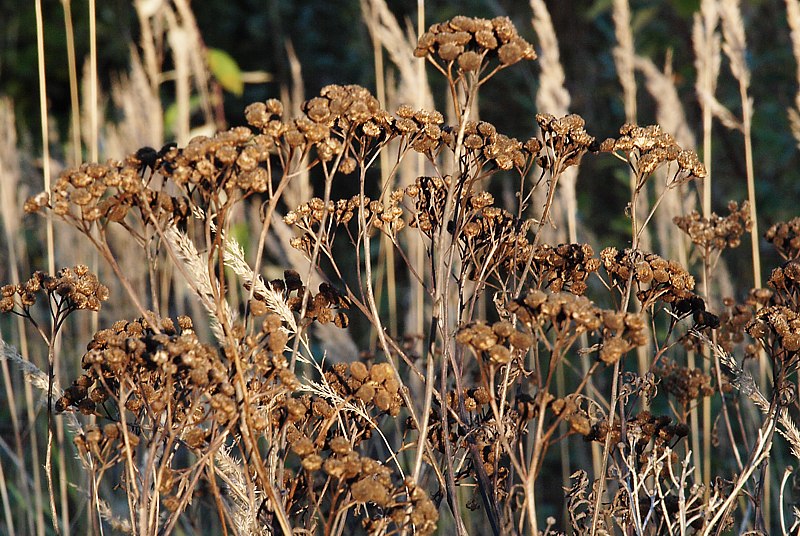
483, 142
656, 278
573, 315
565, 139
499, 343
785, 238
686, 384
648, 148
72, 288
733, 321
717, 233
565, 267
473, 43
777, 328
376, 386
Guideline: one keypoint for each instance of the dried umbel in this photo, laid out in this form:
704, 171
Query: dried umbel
485, 145
686, 384
233, 160
429, 195
71, 289
492, 238
472, 44
785, 282
656, 278
650, 435
565, 267
103, 193
571, 315
172, 369
777, 329
564, 140
648, 148
309, 216
717, 233
785, 238
498, 343
376, 386
733, 321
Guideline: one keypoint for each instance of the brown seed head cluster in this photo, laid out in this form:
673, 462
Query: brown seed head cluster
647, 148
572, 315
366, 479
785, 238
474, 400
173, 369
429, 195
231, 160
565, 267
565, 140
686, 384
498, 343
386, 216
471, 43
733, 321
376, 386
655, 277
423, 129
785, 282
717, 233
482, 140
570, 410
324, 307
106, 193
777, 328
491, 238
77, 287
651, 434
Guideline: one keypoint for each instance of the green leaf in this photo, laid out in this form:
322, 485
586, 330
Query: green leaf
226, 71
171, 114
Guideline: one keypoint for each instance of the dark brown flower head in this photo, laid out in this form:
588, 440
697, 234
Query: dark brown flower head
564, 140
565, 267
76, 287
472, 43
648, 148
777, 328
717, 233
685, 384
785, 238
655, 278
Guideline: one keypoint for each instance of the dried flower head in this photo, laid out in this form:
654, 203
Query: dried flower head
717, 233
473, 43
648, 148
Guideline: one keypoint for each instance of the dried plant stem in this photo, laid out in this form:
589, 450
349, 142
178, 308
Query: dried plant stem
75, 109
747, 114
49, 232
387, 248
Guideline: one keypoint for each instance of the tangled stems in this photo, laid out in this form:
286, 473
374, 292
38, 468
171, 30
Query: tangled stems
332, 441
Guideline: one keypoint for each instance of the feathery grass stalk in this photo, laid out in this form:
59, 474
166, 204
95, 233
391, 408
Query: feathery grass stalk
387, 248
793, 19
554, 97
735, 46
706, 42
